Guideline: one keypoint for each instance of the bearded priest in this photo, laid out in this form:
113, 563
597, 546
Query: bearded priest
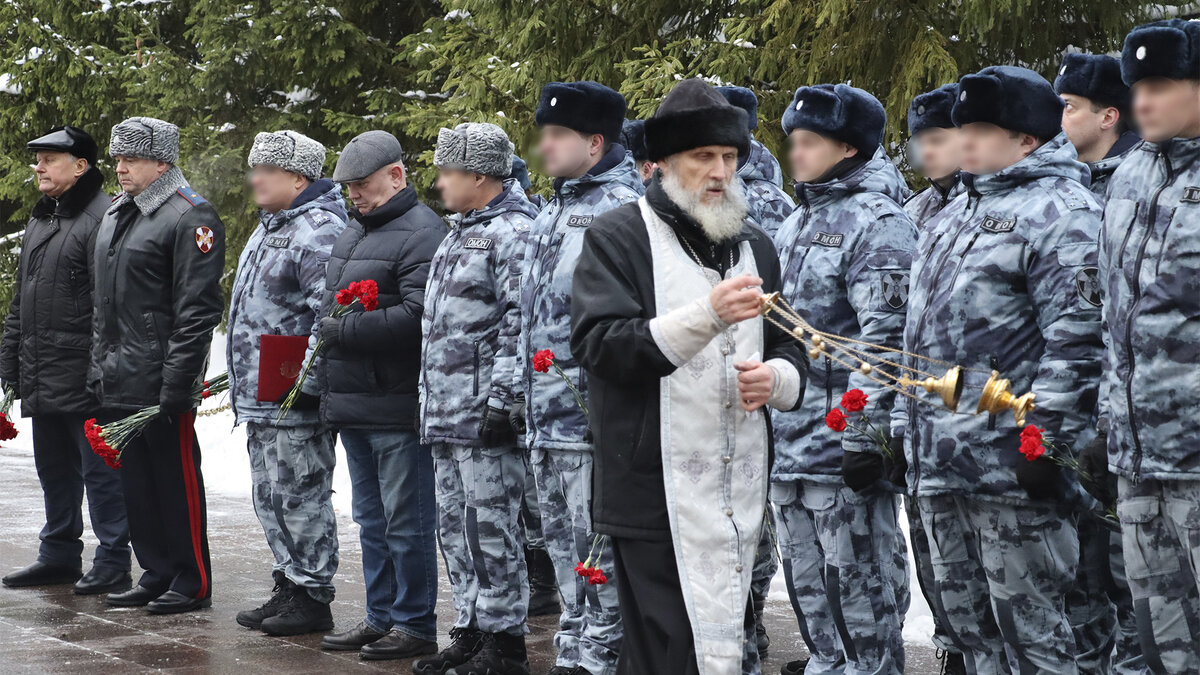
665, 322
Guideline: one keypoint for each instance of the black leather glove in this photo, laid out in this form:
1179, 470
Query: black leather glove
330, 330
1093, 471
895, 468
516, 415
1041, 479
495, 429
171, 404
303, 401
860, 470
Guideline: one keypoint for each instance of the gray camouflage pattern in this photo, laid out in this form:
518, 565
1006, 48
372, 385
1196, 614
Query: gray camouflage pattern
769, 204
838, 554
291, 469
553, 418
479, 499
927, 203
845, 253
1160, 524
472, 319
278, 289
1005, 279
1150, 272
589, 629
1001, 573
1100, 606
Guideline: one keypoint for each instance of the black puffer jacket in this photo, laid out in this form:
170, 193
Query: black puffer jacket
157, 298
49, 325
372, 368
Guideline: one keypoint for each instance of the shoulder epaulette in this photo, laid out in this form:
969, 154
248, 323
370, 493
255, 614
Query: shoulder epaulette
191, 195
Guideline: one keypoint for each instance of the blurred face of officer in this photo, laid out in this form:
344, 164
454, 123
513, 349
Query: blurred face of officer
987, 148
135, 174
464, 190
938, 151
57, 172
813, 155
378, 188
1087, 125
275, 189
566, 153
1166, 109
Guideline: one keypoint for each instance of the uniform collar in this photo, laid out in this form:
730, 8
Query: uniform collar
72, 202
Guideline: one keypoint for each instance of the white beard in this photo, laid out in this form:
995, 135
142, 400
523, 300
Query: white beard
719, 222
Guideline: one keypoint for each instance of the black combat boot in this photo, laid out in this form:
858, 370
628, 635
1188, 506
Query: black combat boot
501, 654
253, 618
300, 614
464, 643
543, 586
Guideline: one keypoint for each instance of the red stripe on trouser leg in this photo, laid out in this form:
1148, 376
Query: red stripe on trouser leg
187, 435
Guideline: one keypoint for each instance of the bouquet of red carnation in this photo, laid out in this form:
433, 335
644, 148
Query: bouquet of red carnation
1035, 445
590, 568
855, 401
109, 441
543, 361
8, 431
365, 293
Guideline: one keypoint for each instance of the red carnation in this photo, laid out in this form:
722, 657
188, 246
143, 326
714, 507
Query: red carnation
581, 569
1032, 445
344, 297
543, 361
836, 420
597, 577
7, 430
95, 438
368, 294
854, 400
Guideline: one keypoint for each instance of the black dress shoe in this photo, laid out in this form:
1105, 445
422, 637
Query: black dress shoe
173, 602
42, 574
397, 645
353, 639
103, 580
138, 596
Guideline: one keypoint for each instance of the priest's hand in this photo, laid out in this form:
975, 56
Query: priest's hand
756, 380
736, 299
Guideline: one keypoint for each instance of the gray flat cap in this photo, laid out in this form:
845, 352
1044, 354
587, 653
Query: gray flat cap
365, 154
147, 138
477, 147
290, 151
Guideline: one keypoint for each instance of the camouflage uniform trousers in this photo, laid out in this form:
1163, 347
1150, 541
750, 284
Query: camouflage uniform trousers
766, 560
942, 638
839, 550
479, 492
1100, 605
1002, 572
531, 513
1160, 524
590, 628
292, 472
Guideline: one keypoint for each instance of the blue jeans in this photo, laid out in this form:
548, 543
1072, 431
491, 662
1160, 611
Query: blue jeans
392, 478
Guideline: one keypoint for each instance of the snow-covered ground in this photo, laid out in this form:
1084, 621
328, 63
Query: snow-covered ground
226, 468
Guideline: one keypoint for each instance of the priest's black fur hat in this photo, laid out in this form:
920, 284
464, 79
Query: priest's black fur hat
1169, 48
841, 112
694, 115
1096, 77
587, 107
1012, 98
931, 110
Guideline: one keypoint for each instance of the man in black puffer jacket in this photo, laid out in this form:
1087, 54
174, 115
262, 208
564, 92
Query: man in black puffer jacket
372, 360
44, 356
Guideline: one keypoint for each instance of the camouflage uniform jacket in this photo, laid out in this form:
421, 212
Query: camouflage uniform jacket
278, 290
1005, 279
1150, 270
556, 237
472, 318
927, 203
845, 253
769, 204
1102, 170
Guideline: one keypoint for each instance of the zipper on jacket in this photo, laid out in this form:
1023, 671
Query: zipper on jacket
475, 386
1136, 288
828, 389
945, 257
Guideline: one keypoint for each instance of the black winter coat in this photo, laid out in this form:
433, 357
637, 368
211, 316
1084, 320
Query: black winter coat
49, 326
157, 297
372, 369
611, 306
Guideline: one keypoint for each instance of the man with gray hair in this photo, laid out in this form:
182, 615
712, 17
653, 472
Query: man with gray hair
272, 325
369, 394
158, 260
469, 381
